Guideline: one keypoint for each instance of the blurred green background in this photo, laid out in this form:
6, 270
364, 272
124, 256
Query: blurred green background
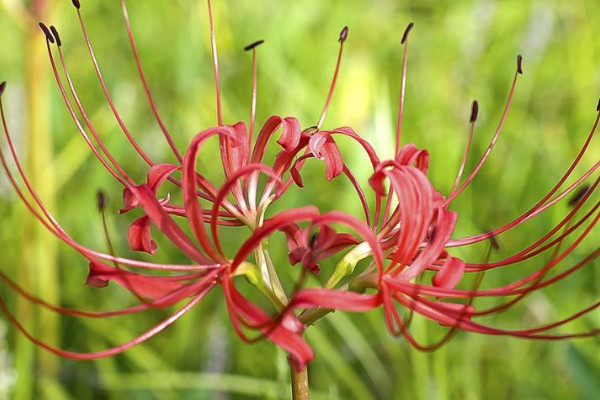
459, 51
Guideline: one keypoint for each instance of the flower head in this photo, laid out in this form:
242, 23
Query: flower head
382, 258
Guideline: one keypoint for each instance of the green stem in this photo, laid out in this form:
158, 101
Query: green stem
300, 389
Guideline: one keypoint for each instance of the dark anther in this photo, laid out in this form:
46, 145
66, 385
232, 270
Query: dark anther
56, 35
406, 32
520, 64
253, 45
343, 35
494, 242
2, 88
312, 129
576, 198
46, 31
101, 200
474, 111
598, 106
313, 240
76, 4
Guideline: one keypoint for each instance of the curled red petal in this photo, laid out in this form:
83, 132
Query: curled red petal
158, 173
410, 155
194, 211
129, 201
289, 140
324, 148
234, 148
450, 273
165, 223
290, 135
139, 236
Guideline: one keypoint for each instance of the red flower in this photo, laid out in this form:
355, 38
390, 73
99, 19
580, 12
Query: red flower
404, 235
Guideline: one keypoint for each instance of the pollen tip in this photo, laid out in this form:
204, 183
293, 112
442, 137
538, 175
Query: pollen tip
520, 64
576, 198
46, 31
2, 88
474, 111
56, 35
406, 32
101, 200
253, 45
77, 4
494, 242
343, 35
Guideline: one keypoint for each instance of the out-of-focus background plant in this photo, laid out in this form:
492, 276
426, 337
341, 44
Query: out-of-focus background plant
460, 51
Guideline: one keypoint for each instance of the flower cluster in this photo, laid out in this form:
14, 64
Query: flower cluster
381, 258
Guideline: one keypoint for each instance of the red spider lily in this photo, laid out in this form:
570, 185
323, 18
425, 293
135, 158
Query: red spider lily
404, 235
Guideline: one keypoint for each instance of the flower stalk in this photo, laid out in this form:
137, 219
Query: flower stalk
300, 390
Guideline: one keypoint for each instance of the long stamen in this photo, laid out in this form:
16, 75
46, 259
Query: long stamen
254, 81
540, 245
81, 109
472, 119
102, 203
544, 203
532, 287
76, 119
404, 42
129, 284
138, 64
253, 182
50, 223
518, 72
138, 149
113, 108
215, 59
342, 39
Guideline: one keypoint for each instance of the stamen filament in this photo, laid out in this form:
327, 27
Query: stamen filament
215, 60
494, 138
138, 64
404, 42
342, 39
472, 119
113, 108
254, 83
